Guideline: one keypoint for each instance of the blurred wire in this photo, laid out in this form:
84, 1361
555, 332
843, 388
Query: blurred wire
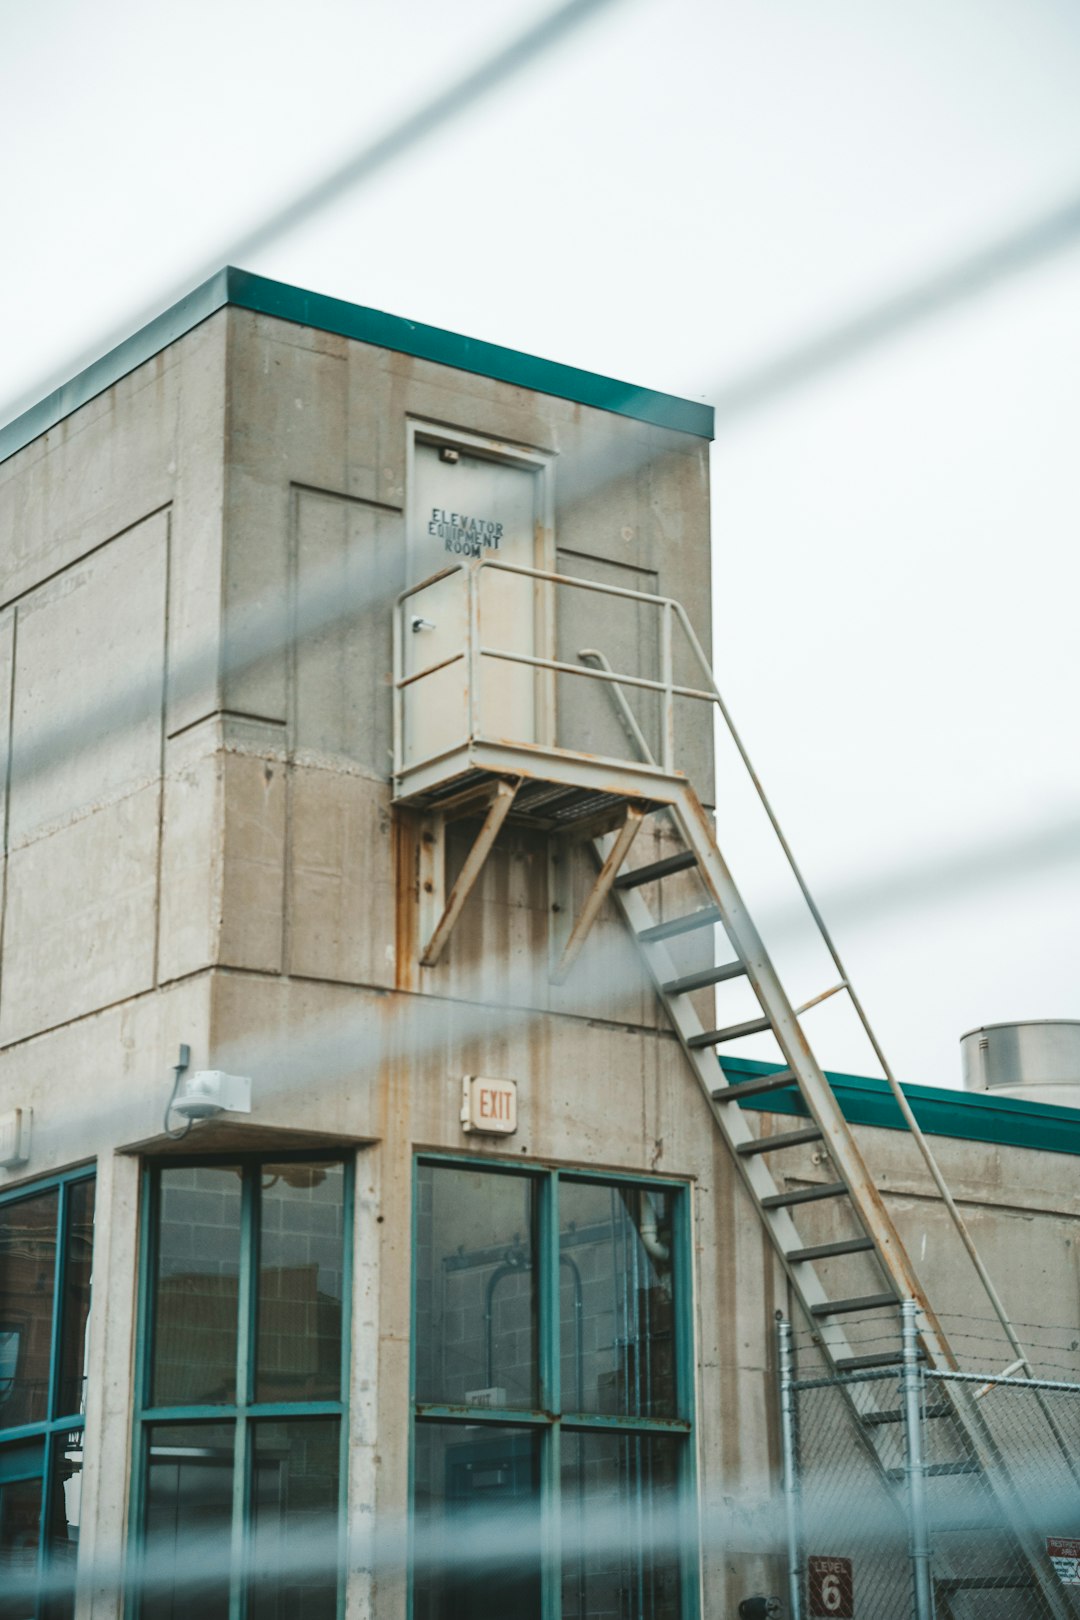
1009, 255
364, 164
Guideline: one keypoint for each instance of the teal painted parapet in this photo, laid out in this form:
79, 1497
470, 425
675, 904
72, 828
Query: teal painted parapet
276, 298
967, 1115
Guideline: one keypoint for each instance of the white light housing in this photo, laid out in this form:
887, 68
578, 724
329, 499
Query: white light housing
212, 1091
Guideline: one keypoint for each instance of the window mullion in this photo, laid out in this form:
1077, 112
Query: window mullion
548, 1294
46, 1504
550, 1522
247, 1290
550, 1396
241, 1507
59, 1273
245, 1390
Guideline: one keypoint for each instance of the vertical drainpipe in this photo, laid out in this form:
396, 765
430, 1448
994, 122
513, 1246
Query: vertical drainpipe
790, 1456
916, 1462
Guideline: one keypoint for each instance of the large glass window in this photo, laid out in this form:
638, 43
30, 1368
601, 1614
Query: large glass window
46, 1249
240, 1474
552, 1380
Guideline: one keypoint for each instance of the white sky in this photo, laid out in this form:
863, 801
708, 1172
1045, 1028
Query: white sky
686, 189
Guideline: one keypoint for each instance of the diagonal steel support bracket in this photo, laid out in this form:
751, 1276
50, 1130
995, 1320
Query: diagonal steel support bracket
435, 902
620, 848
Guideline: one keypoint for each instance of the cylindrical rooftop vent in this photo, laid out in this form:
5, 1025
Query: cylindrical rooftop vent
1038, 1060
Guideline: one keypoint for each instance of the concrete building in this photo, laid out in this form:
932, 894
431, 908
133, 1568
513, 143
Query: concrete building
265, 818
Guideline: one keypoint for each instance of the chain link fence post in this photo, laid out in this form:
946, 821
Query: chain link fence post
790, 1444
916, 1461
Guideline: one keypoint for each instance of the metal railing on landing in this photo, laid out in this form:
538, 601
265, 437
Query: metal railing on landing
673, 613
474, 651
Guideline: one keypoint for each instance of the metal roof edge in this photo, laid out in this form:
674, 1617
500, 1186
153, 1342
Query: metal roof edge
444, 348
134, 351
967, 1115
244, 290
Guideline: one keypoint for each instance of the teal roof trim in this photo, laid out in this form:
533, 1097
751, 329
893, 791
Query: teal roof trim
969, 1115
190, 312
246, 291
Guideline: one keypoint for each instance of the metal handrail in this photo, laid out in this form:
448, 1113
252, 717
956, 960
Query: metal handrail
629, 719
671, 610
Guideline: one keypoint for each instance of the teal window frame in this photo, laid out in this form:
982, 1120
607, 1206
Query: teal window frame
27, 1449
547, 1419
244, 1412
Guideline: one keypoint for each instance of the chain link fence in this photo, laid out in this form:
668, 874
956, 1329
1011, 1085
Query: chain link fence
914, 1494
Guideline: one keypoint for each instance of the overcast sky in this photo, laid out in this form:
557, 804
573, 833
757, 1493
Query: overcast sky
682, 192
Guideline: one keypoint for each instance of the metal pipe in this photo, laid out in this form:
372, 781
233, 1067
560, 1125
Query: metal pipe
667, 729
579, 1334
912, 1387
432, 669
626, 713
789, 1446
472, 695
595, 674
816, 1001
398, 701
573, 580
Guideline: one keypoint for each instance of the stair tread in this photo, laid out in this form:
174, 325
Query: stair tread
637, 875
733, 1032
702, 980
783, 1139
805, 1195
857, 1302
937, 1470
884, 1358
681, 925
871, 1419
754, 1088
826, 1251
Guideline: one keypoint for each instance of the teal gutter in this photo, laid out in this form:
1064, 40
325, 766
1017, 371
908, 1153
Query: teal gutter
967, 1115
243, 290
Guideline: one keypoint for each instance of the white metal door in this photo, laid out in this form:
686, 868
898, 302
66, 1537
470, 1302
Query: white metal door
468, 508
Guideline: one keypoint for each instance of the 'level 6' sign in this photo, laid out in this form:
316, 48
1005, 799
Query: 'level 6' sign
831, 1583
489, 1106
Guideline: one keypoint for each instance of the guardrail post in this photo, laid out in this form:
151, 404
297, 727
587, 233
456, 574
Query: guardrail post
912, 1406
667, 675
790, 1451
472, 662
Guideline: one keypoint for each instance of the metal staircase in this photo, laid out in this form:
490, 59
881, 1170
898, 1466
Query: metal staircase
561, 790
872, 1234
872, 1230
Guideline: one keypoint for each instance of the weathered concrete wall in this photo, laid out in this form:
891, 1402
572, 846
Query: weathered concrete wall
208, 555
110, 567
219, 862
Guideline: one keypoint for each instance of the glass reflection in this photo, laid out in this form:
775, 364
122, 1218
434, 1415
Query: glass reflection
196, 1297
616, 1296
78, 1258
20, 1528
294, 1512
27, 1269
188, 1517
621, 1527
476, 1292
301, 1281
476, 1548
65, 1513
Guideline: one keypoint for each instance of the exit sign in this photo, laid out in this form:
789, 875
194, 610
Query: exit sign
489, 1106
